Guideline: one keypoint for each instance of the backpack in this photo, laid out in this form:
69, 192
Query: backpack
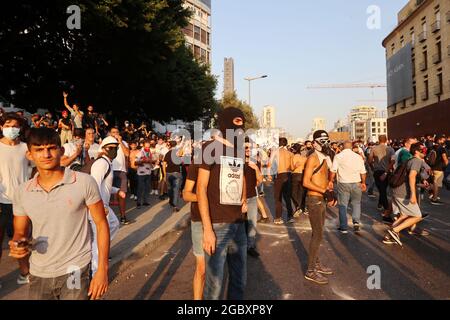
90, 166
399, 176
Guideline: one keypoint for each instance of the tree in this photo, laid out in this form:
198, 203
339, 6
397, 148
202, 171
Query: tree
129, 57
231, 100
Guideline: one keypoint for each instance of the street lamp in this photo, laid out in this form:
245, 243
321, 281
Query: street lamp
250, 79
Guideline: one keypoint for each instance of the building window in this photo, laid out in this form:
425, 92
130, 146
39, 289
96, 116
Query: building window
440, 83
197, 32
426, 93
197, 52
413, 38
208, 36
204, 37
188, 30
414, 99
373, 124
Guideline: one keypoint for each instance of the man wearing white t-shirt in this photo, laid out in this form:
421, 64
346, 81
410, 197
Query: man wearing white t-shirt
14, 170
120, 172
89, 143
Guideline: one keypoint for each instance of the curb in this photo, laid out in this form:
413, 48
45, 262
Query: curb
122, 262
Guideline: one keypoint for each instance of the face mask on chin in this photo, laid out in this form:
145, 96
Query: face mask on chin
11, 133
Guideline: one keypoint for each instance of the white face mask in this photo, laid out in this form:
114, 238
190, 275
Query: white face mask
11, 133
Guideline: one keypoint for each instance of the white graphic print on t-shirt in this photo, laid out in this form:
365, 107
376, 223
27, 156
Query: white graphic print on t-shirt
231, 180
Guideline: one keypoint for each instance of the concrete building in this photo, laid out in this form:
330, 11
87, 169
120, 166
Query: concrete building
362, 113
268, 117
228, 76
365, 123
198, 31
418, 69
318, 124
376, 127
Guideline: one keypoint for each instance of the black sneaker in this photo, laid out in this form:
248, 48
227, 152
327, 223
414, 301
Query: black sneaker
388, 240
138, 206
343, 231
388, 220
436, 202
176, 209
253, 253
380, 207
124, 221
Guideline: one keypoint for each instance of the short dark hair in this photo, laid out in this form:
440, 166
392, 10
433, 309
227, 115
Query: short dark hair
9, 116
283, 142
382, 138
42, 137
415, 147
78, 132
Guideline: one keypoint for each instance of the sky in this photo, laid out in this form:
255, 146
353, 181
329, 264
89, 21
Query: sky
299, 43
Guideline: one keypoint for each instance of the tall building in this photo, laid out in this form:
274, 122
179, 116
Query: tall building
318, 124
228, 76
362, 113
198, 31
366, 124
418, 70
268, 117
375, 128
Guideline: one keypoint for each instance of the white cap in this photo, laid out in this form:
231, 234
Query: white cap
109, 140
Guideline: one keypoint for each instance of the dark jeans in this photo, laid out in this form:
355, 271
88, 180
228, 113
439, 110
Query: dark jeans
382, 189
6, 223
283, 191
132, 177
174, 181
72, 286
316, 207
143, 188
297, 191
231, 249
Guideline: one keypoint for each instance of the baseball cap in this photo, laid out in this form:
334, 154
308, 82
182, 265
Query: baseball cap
320, 134
109, 140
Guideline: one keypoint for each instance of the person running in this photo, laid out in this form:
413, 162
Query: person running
283, 185
298, 165
101, 171
120, 172
315, 179
189, 195
144, 164
405, 198
351, 177
172, 173
222, 201
380, 161
56, 202
75, 113
14, 170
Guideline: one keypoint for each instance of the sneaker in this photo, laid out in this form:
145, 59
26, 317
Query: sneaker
291, 220
23, 279
395, 236
388, 240
124, 221
132, 197
316, 277
343, 231
380, 207
253, 253
278, 221
356, 227
176, 209
156, 192
138, 206
371, 195
262, 194
297, 213
306, 212
264, 220
152, 192
420, 232
436, 202
323, 270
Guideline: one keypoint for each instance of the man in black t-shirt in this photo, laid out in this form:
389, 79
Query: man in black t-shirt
221, 196
440, 163
172, 172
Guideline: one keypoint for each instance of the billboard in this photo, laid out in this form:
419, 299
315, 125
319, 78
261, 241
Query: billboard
399, 76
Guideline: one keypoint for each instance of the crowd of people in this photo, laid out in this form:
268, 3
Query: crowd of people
60, 180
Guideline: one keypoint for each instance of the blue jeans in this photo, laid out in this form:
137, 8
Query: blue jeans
252, 218
346, 192
174, 182
231, 248
143, 188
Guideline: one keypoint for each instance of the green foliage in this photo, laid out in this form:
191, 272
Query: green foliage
231, 100
129, 58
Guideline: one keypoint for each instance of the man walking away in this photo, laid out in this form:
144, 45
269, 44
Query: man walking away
351, 178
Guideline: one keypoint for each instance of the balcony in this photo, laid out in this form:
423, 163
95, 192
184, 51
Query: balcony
437, 90
423, 66
422, 36
424, 95
437, 58
435, 27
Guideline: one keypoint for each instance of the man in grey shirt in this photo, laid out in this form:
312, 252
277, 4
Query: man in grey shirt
56, 201
405, 197
380, 161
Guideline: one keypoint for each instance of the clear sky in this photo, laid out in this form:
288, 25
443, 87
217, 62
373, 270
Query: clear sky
297, 43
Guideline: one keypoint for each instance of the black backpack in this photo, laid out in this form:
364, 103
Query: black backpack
399, 176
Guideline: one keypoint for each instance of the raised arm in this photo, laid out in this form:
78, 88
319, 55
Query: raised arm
66, 104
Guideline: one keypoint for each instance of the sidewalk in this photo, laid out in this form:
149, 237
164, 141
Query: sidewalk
147, 229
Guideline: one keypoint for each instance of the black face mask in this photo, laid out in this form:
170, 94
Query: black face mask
226, 117
111, 153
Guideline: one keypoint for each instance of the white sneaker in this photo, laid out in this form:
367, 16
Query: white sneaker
151, 192
132, 196
156, 193
23, 279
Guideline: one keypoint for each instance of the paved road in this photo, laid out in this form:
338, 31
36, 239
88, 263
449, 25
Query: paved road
419, 270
